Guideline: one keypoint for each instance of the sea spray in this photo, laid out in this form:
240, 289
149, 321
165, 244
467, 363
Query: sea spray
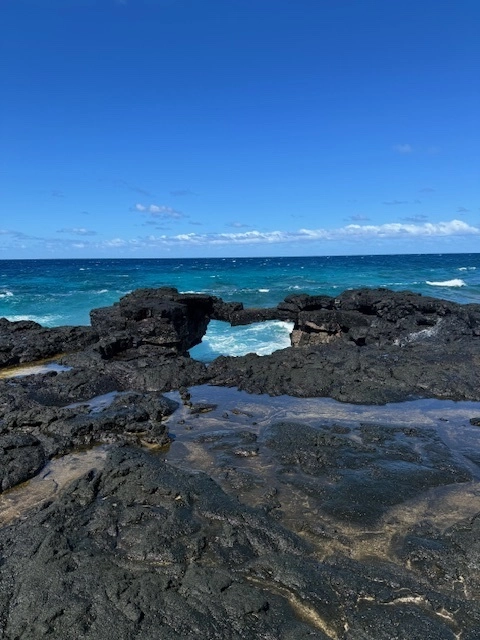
455, 282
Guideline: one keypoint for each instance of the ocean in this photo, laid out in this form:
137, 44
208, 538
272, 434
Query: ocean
62, 292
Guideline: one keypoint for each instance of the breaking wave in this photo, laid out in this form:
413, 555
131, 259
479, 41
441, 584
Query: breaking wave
261, 338
48, 320
456, 282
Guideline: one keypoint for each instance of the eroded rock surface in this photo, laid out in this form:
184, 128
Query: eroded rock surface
357, 475
168, 554
365, 346
157, 318
27, 341
42, 417
145, 550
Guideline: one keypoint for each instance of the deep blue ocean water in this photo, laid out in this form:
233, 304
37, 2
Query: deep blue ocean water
62, 292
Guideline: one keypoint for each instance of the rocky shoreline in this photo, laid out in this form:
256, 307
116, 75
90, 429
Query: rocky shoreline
139, 546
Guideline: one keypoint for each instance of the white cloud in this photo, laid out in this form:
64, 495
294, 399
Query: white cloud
238, 225
426, 229
350, 232
78, 231
159, 211
403, 148
413, 230
116, 242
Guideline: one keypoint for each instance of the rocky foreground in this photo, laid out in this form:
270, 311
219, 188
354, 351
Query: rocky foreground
138, 547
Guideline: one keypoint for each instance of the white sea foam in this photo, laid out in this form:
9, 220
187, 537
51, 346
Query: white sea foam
261, 338
467, 268
263, 290
102, 291
6, 294
456, 282
47, 320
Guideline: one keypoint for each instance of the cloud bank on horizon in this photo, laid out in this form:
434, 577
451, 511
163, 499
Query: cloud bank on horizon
281, 128
321, 238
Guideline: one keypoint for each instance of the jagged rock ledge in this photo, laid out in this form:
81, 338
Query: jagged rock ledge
142, 549
365, 346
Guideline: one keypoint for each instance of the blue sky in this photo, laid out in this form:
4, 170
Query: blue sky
174, 128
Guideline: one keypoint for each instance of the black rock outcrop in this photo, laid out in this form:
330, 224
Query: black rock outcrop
143, 549
26, 341
367, 346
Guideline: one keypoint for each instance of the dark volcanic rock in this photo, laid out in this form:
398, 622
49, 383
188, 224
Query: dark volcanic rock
158, 318
249, 316
381, 317
357, 476
65, 387
366, 346
130, 418
363, 375
325, 325
27, 341
144, 550
21, 457
449, 558
40, 419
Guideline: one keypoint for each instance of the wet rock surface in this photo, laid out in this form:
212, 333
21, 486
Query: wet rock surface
42, 417
287, 528
356, 476
165, 553
168, 554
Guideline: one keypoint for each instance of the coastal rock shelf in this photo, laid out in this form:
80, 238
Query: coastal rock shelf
216, 516
365, 346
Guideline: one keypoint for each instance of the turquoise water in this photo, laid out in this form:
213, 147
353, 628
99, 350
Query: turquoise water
62, 292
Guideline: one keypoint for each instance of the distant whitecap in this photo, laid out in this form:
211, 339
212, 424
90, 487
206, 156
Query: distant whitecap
6, 294
456, 282
46, 320
263, 290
